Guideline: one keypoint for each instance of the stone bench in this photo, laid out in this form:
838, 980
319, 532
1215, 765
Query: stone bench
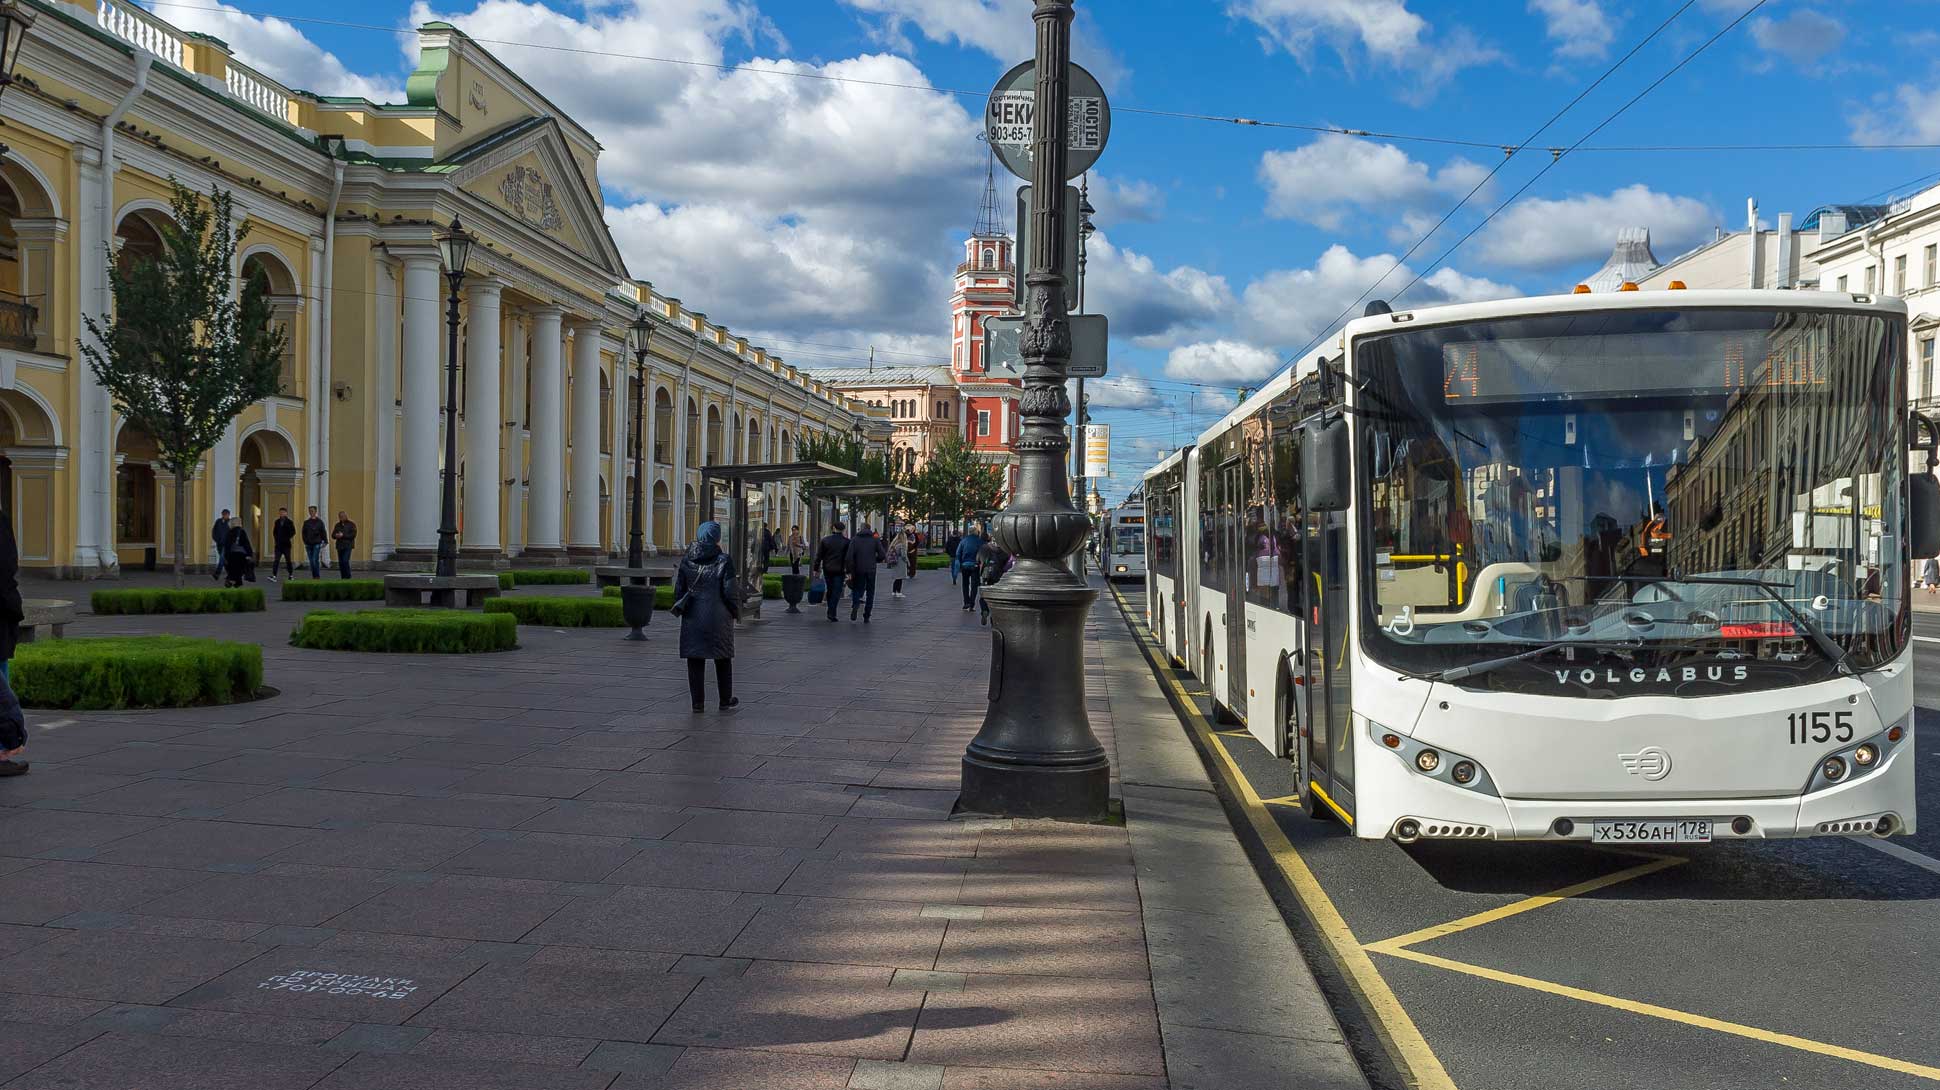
655, 572
49, 613
439, 591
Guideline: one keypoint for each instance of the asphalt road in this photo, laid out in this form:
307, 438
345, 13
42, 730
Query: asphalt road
1804, 965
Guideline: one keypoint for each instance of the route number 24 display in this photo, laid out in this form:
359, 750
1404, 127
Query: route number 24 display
1802, 727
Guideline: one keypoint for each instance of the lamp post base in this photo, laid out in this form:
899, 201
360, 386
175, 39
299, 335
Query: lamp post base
1036, 756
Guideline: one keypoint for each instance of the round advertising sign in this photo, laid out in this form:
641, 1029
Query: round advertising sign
1008, 116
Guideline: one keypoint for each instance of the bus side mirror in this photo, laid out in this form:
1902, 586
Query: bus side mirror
1325, 466
1924, 512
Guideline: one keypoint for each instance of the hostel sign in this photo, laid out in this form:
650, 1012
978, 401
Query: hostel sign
1012, 107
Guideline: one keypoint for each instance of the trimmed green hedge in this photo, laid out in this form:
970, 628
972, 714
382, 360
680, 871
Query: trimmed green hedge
110, 672
334, 590
506, 582
561, 612
932, 563
547, 577
407, 631
663, 596
191, 600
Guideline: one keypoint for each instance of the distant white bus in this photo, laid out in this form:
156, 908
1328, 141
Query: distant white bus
1624, 568
1122, 533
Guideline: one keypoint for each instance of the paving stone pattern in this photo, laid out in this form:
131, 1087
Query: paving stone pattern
540, 869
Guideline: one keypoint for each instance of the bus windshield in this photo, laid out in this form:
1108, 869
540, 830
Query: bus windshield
1686, 482
1127, 540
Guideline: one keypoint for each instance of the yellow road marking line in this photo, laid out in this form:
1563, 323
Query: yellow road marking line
1527, 904
1803, 1044
1283, 800
1397, 1030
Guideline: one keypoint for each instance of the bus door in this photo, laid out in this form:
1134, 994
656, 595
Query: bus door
1233, 556
1180, 626
1326, 711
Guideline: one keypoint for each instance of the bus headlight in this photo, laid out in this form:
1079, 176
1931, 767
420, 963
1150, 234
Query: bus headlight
1463, 772
1833, 769
1859, 759
1865, 755
1428, 760
1436, 764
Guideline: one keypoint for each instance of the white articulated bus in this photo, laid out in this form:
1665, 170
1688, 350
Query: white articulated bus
1123, 542
1625, 568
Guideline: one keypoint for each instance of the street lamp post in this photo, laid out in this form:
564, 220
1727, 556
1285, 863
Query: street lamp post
15, 18
1036, 755
636, 597
454, 249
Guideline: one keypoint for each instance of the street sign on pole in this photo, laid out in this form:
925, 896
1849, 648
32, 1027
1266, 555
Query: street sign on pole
1072, 222
1007, 120
1097, 450
1003, 350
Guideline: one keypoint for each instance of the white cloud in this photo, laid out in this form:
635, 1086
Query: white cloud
1122, 392
1908, 115
1580, 28
279, 50
827, 210
1289, 308
1335, 174
1801, 37
1546, 233
1000, 28
1222, 361
1121, 201
1146, 305
1386, 31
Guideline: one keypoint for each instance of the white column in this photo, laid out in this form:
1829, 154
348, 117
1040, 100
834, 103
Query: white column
483, 424
93, 447
548, 470
586, 436
514, 408
649, 468
223, 473
424, 334
383, 515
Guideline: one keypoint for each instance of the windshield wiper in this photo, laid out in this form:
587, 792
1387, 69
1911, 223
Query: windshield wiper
1457, 673
1826, 644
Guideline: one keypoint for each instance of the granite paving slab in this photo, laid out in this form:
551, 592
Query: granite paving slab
733, 867
54, 889
151, 1062
562, 1002
122, 966
678, 921
823, 1010
448, 909
414, 1072
368, 987
265, 898
554, 857
635, 820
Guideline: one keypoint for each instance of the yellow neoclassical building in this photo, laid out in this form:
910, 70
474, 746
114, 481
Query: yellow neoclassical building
343, 199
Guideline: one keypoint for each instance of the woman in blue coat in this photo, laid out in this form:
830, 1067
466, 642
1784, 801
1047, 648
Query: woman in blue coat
708, 603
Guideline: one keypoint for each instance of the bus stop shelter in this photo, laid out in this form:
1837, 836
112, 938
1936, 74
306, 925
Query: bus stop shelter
743, 545
858, 496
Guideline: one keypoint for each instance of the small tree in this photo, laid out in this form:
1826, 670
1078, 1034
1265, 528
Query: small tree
871, 466
956, 483
182, 355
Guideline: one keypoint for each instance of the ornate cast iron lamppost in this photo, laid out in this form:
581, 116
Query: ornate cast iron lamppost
636, 597
1036, 755
15, 18
455, 249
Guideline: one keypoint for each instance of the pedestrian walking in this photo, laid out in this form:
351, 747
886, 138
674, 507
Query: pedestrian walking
1930, 574
897, 557
797, 548
314, 538
993, 560
965, 559
345, 535
283, 533
238, 557
866, 550
219, 537
832, 560
13, 721
950, 544
707, 603
915, 544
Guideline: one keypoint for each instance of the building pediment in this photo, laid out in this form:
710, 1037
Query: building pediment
528, 173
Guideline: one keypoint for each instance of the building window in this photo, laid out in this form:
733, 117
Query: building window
1842, 283
1930, 255
1872, 279
1926, 368
1899, 275
983, 421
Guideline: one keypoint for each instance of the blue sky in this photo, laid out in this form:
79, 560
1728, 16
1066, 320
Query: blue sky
824, 217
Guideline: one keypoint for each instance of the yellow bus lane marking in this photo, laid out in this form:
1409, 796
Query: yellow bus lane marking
1669, 1014
1527, 904
1402, 1038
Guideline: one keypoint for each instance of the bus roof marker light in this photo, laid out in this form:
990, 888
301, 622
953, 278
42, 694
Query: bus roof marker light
1581, 289
1676, 285
1628, 285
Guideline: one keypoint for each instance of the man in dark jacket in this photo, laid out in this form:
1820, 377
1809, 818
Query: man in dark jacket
13, 723
219, 536
345, 535
314, 537
966, 558
832, 560
865, 552
283, 532
993, 560
950, 550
